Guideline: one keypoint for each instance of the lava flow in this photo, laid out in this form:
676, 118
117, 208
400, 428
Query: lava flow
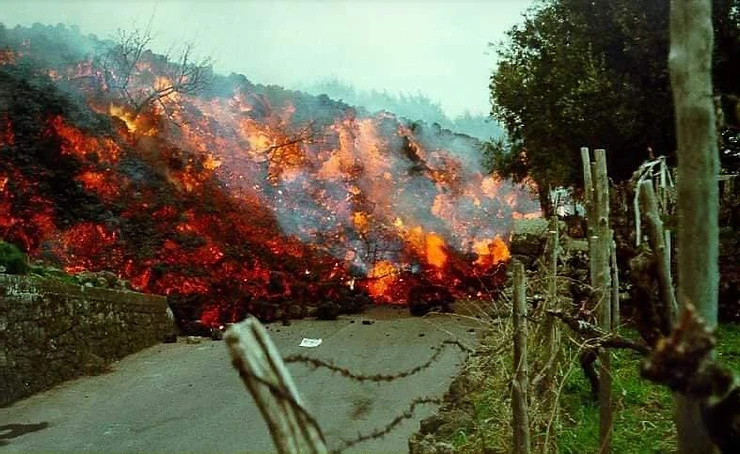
241, 198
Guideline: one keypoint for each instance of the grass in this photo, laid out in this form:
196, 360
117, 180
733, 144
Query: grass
643, 411
642, 417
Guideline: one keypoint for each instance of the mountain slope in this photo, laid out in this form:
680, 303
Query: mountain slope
242, 198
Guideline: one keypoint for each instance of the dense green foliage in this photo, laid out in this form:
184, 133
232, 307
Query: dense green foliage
12, 259
595, 73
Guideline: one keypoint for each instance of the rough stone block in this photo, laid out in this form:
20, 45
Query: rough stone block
52, 331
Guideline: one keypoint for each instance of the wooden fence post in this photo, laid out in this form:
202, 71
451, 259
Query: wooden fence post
519, 395
588, 190
616, 313
661, 252
555, 246
263, 372
551, 331
600, 241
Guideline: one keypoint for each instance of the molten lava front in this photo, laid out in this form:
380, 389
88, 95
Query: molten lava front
245, 198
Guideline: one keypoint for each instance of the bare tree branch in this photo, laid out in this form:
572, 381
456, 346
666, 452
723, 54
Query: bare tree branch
597, 335
127, 73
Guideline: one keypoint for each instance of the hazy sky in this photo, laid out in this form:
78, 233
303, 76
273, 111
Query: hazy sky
438, 47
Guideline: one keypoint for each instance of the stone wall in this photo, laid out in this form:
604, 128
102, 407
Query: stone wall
52, 331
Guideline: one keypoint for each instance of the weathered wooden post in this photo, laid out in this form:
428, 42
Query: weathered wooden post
600, 241
519, 392
616, 317
656, 238
263, 372
601, 280
690, 68
551, 331
588, 190
552, 287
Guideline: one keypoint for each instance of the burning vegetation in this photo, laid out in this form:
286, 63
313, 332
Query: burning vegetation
235, 198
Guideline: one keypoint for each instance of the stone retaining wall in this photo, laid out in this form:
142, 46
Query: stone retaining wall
52, 331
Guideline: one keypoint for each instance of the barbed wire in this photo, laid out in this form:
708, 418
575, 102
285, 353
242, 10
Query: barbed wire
278, 393
316, 363
379, 433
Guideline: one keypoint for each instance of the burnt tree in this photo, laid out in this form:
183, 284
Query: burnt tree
123, 68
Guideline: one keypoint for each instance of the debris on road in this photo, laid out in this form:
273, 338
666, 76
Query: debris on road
308, 342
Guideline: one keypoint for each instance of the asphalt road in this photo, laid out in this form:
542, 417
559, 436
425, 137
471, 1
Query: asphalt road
187, 397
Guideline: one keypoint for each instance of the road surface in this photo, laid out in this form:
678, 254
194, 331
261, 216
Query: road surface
187, 397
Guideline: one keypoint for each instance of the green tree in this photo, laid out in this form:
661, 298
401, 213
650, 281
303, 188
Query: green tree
594, 73
12, 259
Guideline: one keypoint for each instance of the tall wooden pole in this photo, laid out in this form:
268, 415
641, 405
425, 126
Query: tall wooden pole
656, 235
600, 237
616, 312
521, 382
269, 382
690, 67
601, 280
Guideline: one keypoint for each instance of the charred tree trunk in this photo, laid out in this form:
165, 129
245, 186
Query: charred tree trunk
690, 64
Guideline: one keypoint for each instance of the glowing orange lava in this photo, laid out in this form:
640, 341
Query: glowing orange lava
381, 279
250, 195
491, 252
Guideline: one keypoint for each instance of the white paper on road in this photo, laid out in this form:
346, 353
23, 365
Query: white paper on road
308, 342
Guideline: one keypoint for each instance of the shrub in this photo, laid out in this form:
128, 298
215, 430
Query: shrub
12, 259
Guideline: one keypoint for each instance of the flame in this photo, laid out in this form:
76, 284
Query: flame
100, 183
491, 252
361, 222
247, 183
76, 143
83, 245
382, 277
123, 114
211, 162
435, 250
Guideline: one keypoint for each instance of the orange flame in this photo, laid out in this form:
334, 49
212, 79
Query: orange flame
435, 250
100, 183
78, 144
123, 114
491, 252
359, 192
382, 277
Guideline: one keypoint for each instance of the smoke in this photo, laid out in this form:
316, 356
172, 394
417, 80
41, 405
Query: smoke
412, 106
382, 181
362, 187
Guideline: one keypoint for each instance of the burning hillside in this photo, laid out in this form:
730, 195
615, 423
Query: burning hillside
240, 198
